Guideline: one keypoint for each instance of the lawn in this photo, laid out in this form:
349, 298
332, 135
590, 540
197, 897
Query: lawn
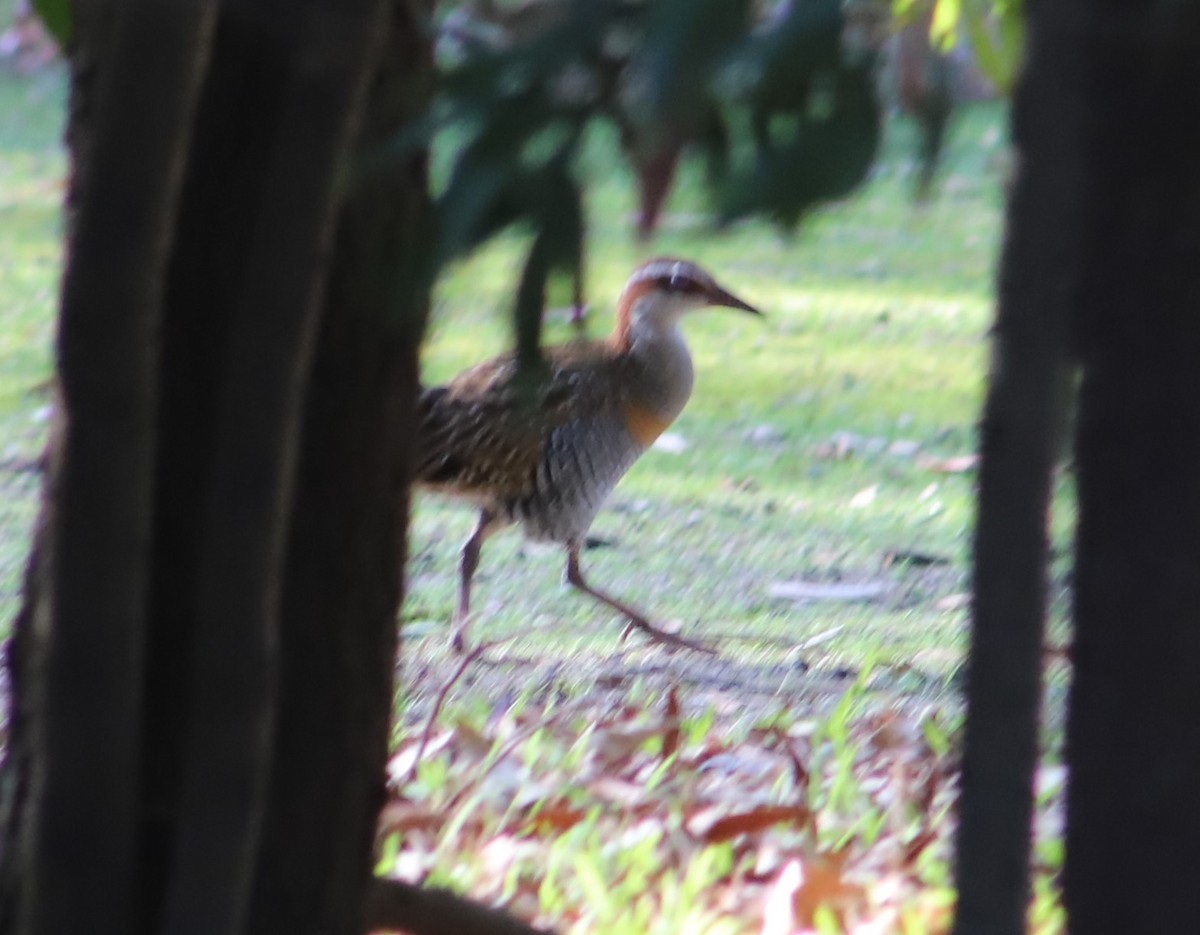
829, 444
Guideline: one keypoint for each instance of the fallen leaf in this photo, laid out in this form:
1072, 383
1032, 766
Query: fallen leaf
822, 884
469, 741
555, 816
750, 822
889, 731
864, 497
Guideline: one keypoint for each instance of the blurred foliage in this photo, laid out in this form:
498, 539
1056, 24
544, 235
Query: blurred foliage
56, 14
787, 90
994, 29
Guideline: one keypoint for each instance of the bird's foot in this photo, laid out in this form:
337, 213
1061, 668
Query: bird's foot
663, 637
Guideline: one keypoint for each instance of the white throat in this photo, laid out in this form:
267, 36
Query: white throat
656, 342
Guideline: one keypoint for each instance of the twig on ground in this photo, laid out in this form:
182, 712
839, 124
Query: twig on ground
442, 694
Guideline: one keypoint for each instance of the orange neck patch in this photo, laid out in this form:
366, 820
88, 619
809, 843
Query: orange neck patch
637, 288
644, 425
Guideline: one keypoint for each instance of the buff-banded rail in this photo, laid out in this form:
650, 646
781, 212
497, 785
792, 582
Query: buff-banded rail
548, 461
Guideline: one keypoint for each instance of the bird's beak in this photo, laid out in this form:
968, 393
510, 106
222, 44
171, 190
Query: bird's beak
719, 296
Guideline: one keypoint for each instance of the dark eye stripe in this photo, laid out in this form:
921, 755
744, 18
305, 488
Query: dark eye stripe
680, 284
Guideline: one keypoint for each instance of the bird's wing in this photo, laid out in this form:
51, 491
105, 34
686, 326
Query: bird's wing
484, 434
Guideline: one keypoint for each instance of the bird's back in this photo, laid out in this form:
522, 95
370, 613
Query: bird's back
545, 457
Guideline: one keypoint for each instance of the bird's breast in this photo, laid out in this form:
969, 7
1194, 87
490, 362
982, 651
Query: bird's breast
643, 424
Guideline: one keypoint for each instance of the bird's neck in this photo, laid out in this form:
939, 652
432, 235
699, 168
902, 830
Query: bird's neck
660, 371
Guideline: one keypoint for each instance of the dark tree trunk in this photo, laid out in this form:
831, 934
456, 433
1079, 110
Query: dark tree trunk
71, 849
1022, 420
346, 550
154, 663
274, 133
1134, 723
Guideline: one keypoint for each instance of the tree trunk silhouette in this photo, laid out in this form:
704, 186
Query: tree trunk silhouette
71, 841
1104, 236
1133, 734
346, 549
1022, 420
239, 323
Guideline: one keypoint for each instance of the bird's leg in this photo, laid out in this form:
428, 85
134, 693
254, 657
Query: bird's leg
575, 578
467, 565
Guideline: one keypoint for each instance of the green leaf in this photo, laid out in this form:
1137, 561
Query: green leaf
555, 203
685, 43
997, 50
826, 156
943, 27
56, 14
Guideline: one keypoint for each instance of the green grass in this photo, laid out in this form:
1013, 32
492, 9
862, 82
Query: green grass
877, 314
876, 322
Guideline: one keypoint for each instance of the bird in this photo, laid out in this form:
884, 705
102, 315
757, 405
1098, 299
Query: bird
546, 459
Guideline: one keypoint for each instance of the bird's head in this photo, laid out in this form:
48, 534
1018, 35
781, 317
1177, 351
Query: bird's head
663, 289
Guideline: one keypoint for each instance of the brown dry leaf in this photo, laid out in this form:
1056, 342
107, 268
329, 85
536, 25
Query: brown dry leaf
887, 730
822, 884
749, 822
555, 817
471, 742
